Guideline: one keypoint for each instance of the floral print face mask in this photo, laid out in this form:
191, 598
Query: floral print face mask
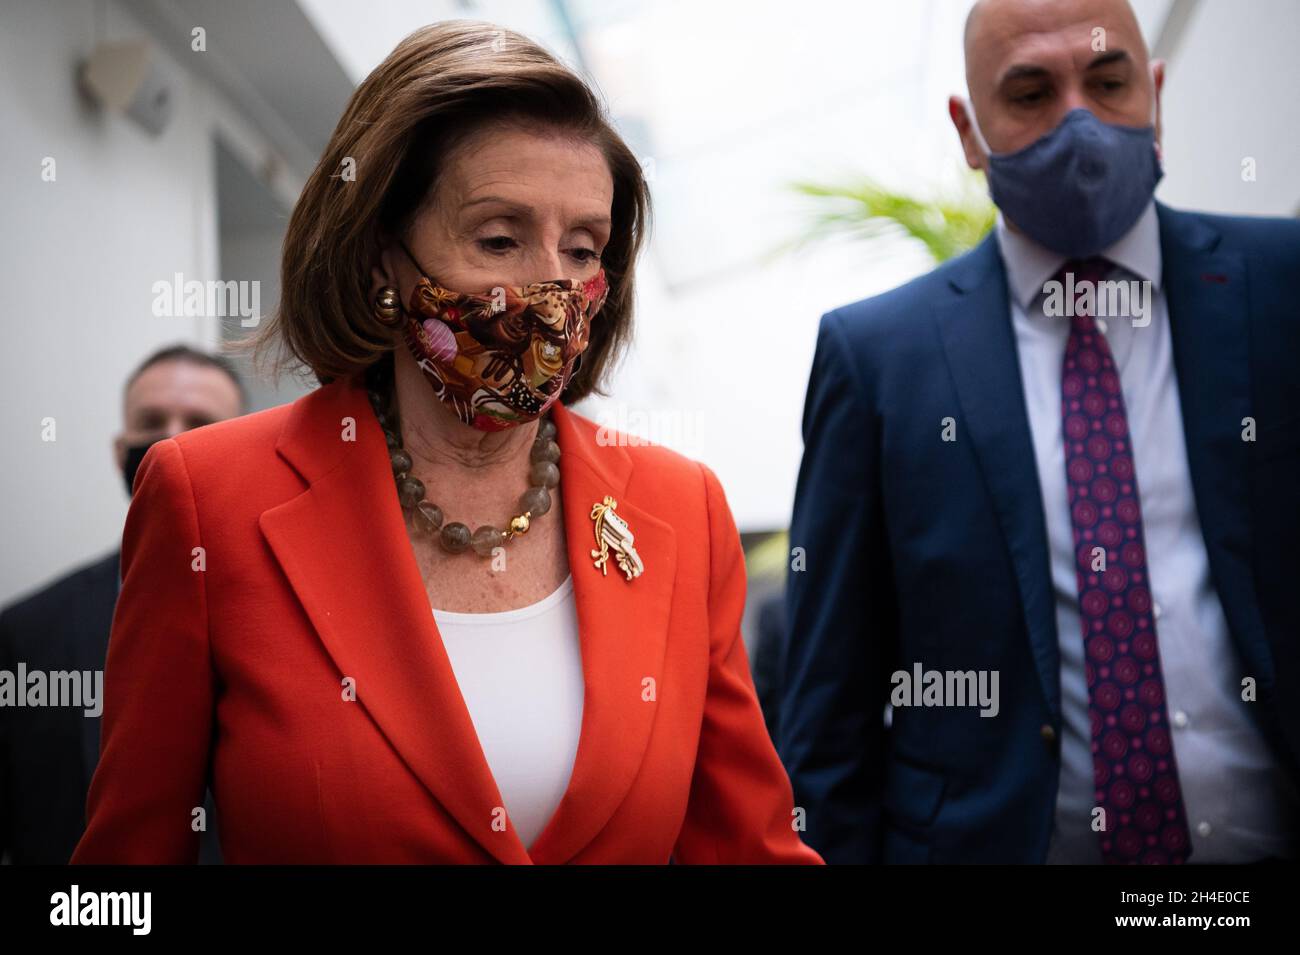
502, 357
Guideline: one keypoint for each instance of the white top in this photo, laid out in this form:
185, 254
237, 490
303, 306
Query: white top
520, 673
1235, 797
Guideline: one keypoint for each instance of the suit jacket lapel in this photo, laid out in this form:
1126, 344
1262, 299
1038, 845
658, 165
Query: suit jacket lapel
979, 343
623, 632
1207, 294
343, 546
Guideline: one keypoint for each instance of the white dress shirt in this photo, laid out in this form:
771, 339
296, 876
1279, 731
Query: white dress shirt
1240, 806
520, 674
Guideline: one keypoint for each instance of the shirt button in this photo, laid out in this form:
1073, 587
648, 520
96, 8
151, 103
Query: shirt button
1180, 719
1156, 611
1101, 324
1204, 828
1048, 734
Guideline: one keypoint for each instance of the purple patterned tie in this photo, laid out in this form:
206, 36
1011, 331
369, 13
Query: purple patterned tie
1134, 770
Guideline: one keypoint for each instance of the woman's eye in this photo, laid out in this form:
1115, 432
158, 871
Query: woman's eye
497, 243
585, 255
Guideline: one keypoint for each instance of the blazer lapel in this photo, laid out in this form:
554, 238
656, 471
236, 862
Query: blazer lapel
979, 343
343, 546
1206, 292
623, 633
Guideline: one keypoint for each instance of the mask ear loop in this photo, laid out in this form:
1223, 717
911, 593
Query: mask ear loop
975, 126
388, 304
415, 261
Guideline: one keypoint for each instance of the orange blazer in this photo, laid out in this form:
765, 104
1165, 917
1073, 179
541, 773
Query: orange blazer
265, 559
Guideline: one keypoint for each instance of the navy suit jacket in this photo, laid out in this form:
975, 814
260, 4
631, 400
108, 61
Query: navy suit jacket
921, 550
48, 754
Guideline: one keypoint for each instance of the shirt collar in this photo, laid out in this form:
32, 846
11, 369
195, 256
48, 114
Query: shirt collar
1029, 265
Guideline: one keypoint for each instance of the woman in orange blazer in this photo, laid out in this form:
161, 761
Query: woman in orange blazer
277, 637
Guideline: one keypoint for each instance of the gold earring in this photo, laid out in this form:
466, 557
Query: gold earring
388, 306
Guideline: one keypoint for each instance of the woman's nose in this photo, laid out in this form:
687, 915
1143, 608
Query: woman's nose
546, 266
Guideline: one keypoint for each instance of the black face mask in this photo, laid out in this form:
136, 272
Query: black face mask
134, 455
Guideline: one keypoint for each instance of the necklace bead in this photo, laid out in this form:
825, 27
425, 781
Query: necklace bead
455, 537
427, 517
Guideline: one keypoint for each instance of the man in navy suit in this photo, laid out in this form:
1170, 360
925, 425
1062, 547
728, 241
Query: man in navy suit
1044, 603
48, 754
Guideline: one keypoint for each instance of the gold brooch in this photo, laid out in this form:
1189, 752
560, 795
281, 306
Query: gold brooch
612, 533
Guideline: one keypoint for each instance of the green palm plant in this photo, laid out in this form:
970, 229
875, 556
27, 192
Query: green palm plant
948, 222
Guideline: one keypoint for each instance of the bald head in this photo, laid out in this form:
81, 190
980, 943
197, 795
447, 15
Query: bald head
1052, 12
1029, 62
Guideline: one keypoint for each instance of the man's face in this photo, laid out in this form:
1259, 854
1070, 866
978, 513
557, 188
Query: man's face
1030, 62
171, 397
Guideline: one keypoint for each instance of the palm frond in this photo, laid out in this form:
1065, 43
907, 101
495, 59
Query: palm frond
947, 223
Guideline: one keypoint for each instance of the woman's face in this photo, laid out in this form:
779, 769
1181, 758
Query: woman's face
511, 207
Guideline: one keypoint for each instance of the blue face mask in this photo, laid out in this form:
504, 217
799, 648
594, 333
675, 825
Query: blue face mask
1079, 188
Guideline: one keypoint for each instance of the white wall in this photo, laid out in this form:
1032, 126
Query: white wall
78, 259
254, 256
1232, 91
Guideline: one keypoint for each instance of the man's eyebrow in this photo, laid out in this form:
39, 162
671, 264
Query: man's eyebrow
1029, 71
1023, 71
1109, 57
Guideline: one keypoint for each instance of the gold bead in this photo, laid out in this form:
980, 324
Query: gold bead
519, 524
387, 305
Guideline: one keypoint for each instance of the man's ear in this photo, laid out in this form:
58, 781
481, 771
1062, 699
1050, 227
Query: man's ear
119, 452
975, 157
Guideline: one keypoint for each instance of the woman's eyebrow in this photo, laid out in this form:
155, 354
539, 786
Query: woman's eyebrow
523, 209
502, 200
603, 222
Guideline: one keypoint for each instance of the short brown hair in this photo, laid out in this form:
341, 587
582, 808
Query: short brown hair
440, 85
184, 353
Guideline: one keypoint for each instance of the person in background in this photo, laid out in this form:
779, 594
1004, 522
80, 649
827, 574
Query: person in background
48, 754
1095, 514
